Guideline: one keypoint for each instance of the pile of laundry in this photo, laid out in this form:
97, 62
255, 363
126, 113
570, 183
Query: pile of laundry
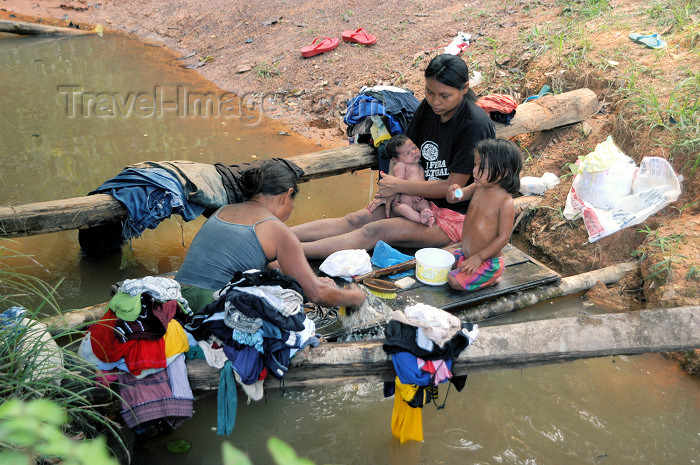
152, 191
422, 341
140, 343
377, 113
255, 325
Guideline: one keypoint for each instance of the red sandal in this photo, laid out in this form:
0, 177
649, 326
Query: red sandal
319, 45
359, 36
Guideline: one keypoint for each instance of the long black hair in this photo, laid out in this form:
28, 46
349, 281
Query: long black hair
270, 179
450, 70
504, 163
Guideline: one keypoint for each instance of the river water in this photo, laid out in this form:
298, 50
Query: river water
55, 142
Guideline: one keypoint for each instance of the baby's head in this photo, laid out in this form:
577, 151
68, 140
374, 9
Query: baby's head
500, 159
401, 148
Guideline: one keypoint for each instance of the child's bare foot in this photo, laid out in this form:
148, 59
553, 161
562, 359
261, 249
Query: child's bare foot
426, 217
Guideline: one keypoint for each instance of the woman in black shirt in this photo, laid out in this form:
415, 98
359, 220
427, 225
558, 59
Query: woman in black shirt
446, 127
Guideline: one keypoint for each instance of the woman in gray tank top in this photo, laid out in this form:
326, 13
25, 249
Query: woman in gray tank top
249, 235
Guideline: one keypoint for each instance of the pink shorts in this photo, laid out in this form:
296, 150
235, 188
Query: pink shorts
449, 221
486, 275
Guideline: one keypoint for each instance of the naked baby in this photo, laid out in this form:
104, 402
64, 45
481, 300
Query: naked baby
405, 164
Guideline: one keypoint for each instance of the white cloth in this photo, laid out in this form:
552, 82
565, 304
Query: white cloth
214, 357
438, 325
160, 288
288, 302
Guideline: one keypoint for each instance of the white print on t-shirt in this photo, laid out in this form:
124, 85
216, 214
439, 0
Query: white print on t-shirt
429, 150
434, 169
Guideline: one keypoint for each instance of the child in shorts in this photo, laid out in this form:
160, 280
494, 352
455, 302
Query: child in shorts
405, 164
488, 222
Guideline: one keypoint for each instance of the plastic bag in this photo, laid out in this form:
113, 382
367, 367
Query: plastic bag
531, 185
653, 186
347, 263
604, 176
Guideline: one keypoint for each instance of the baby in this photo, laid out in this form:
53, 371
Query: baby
404, 165
488, 222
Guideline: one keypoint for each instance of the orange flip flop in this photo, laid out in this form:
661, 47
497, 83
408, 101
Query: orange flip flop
319, 45
359, 36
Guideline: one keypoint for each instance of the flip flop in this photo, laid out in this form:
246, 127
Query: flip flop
650, 40
359, 36
319, 45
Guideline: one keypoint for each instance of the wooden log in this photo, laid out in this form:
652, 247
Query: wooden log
511, 346
77, 213
549, 112
567, 286
34, 29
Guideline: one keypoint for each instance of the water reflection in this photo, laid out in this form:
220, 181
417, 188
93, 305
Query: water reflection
49, 155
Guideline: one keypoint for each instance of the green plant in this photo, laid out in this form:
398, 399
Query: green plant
667, 245
266, 70
32, 364
585, 8
32, 430
693, 273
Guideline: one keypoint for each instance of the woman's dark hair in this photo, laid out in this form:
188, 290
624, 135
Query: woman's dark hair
270, 179
392, 147
450, 70
504, 163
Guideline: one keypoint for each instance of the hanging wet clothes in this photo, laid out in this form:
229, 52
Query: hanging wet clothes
201, 182
406, 421
422, 341
150, 196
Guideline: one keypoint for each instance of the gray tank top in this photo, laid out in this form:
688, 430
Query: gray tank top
218, 250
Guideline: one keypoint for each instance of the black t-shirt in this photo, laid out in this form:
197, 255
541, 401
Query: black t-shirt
449, 147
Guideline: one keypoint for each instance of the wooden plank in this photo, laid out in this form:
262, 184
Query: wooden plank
511, 346
521, 273
83, 212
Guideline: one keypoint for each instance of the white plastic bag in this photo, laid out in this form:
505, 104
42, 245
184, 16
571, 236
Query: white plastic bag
653, 186
347, 263
531, 185
604, 176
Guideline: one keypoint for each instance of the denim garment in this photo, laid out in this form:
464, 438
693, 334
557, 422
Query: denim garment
201, 182
150, 196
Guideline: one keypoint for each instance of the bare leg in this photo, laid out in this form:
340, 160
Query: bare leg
426, 214
407, 211
427, 218
329, 227
397, 232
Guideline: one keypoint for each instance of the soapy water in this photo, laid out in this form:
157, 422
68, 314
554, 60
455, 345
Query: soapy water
373, 311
